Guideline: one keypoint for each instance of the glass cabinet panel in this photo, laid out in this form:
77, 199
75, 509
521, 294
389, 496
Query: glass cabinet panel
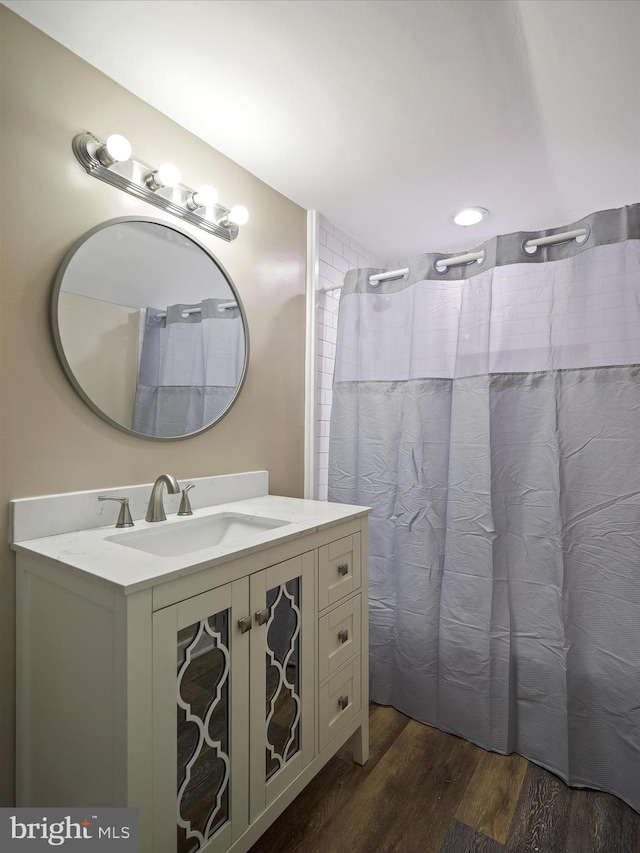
283, 704
203, 790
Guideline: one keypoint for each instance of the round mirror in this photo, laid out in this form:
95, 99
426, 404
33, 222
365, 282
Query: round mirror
150, 329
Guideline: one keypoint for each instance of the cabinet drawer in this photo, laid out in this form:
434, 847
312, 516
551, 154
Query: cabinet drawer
338, 570
339, 702
338, 637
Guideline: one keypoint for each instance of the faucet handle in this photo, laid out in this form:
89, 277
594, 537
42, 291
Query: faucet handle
185, 505
124, 517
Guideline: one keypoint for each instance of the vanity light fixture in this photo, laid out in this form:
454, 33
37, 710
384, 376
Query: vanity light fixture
470, 216
111, 160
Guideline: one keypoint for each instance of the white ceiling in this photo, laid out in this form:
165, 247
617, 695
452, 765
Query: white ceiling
387, 116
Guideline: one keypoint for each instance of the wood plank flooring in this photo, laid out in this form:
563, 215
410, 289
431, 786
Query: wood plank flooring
423, 791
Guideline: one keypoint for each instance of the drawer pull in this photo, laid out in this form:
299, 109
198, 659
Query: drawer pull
244, 624
343, 636
343, 568
262, 616
343, 701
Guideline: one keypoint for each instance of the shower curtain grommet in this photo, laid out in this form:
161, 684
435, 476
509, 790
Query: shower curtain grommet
435, 263
580, 241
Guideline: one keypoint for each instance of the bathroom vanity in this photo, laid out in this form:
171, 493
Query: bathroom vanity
202, 670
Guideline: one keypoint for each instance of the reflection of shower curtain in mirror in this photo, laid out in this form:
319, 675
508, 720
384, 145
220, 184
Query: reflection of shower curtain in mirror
190, 367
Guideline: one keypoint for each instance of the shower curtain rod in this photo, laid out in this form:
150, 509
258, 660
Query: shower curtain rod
222, 307
469, 257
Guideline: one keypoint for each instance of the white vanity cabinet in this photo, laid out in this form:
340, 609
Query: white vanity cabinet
207, 699
245, 702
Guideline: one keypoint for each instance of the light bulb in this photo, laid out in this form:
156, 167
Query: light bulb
470, 216
238, 214
116, 149
206, 196
166, 175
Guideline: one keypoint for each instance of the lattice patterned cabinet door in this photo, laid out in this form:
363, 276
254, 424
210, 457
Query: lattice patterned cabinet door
209, 666
283, 716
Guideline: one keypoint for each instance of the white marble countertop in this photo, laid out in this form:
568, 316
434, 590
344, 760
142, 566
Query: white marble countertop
129, 570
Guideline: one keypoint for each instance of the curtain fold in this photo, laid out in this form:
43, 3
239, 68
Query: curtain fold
493, 424
190, 367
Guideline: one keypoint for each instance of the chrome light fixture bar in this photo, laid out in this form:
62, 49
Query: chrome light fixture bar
111, 161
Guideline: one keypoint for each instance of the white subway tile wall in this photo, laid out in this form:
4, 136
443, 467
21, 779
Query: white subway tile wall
337, 253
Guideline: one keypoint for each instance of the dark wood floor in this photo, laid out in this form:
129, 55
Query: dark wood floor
423, 791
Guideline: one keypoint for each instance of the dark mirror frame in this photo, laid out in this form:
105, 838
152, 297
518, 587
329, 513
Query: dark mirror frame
57, 340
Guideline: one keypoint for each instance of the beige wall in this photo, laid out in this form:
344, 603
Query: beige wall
51, 441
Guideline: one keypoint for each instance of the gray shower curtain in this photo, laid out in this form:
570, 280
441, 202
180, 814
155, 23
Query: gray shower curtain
190, 367
491, 418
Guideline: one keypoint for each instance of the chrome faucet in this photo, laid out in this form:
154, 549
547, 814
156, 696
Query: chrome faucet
156, 512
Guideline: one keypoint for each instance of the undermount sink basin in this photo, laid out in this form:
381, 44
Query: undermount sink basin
183, 537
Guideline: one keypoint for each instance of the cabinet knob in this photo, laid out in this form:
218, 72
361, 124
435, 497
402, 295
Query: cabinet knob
343, 636
343, 701
262, 616
244, 624
343, 568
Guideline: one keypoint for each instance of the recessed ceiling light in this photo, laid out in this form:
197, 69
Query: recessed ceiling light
470, 216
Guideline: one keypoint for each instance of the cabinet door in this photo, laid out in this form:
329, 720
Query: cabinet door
282, 677
200, 728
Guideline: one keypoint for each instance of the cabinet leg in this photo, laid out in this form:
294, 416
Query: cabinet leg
360, 743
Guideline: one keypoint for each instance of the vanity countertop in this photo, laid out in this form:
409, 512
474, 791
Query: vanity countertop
128, 570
